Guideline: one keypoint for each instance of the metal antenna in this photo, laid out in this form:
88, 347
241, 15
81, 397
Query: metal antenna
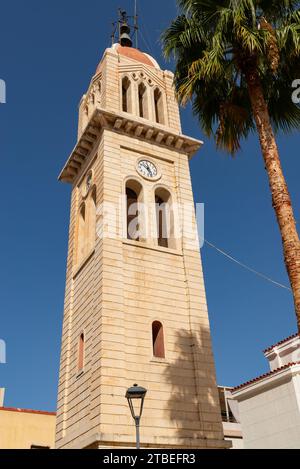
113, 34
136, 27
123, 26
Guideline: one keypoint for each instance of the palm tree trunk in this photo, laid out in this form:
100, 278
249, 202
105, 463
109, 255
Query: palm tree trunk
280, 195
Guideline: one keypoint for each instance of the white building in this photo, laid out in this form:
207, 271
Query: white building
269, 405
230, 418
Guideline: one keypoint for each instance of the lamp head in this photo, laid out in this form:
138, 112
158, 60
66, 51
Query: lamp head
136, 392
135, 396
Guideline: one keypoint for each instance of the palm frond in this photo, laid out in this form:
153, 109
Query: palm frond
214, 42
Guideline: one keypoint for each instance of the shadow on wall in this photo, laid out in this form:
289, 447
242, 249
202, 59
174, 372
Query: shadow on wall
196, 415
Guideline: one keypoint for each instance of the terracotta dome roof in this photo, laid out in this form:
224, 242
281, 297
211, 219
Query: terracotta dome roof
135, 54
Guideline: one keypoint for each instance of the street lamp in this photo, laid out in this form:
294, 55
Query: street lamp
135, 397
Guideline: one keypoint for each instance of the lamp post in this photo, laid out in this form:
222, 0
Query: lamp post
135, 397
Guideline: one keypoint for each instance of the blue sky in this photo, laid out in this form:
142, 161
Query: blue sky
49, 50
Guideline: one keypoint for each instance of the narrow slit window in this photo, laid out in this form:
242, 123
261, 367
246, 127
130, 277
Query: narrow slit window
126, 107
85, 117
143, 104
81, 353
159, 107
158, 340
81, 235
92, 220
162, 222
132, 214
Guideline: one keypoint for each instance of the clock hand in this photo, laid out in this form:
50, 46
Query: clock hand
149, 169
145, 165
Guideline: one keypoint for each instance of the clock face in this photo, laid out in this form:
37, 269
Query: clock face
147, 169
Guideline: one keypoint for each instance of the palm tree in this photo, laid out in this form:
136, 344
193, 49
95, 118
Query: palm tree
236, 61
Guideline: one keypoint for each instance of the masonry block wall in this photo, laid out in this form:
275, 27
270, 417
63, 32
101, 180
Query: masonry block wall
119, 287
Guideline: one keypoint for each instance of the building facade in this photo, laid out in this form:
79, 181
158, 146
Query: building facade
269, 405
135, 306
26, 429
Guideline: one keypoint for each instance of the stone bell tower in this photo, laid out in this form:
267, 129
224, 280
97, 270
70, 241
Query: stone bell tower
135, 308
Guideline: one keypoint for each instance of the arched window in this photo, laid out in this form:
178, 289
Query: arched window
126, 95
134, 217
81, 234
161, 220
92, 99
81, 352
98, 92
158, 340
143, 101
85, 117
159, 106
164, 218
92, 219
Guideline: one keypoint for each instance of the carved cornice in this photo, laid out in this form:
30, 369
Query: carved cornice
126, 124
156, 76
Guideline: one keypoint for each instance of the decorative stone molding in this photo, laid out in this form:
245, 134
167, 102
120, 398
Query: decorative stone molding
126, 124
141, 72
141, 76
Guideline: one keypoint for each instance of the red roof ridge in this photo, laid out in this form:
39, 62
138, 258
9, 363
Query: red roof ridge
135, 54
282, 342
28, 411
265, 375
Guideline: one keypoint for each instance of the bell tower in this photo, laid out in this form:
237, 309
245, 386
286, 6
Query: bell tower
135, 308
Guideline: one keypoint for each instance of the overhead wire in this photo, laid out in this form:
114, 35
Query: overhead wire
244, 266
220, 251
